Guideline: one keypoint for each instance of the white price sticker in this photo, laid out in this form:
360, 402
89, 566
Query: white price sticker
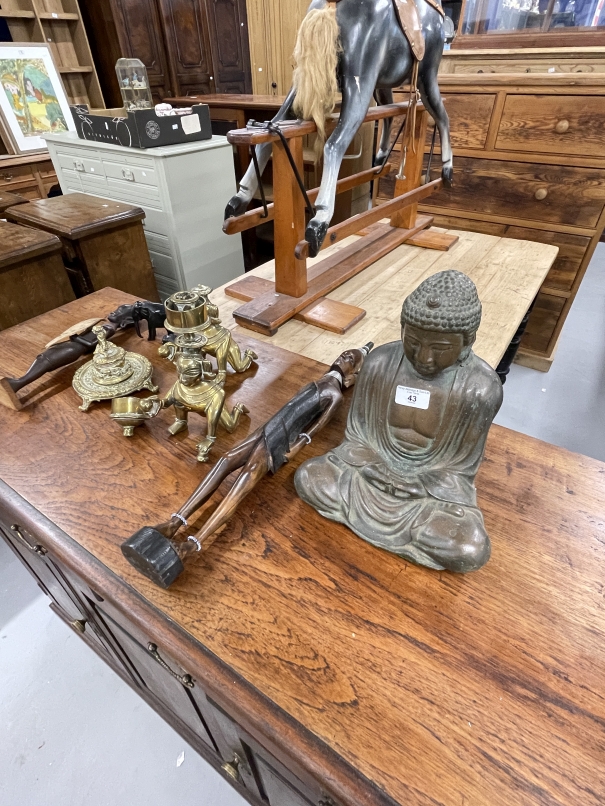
408, 396
191, 123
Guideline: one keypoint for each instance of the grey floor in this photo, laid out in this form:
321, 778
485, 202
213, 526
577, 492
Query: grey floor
74, 735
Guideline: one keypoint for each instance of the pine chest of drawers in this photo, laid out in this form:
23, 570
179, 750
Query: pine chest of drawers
529, 160
183, 190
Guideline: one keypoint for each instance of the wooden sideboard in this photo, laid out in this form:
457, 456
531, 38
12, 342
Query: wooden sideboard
30, 176
309, 667
529, 155
523, 60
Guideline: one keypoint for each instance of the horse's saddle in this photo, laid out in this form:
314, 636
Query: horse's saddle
409, 19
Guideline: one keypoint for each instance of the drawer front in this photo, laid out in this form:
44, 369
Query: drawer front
572, 249
542, 323
527, 66
17, 176
553, 124
549, 193
279, 791
166, 288
70, 181
469, 119
132, 192
164, 265
156, 670
131, 173
82, 165
159, 243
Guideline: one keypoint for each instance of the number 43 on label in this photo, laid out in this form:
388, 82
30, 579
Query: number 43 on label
416, 398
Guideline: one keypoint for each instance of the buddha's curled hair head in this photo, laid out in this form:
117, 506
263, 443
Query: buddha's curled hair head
447, 302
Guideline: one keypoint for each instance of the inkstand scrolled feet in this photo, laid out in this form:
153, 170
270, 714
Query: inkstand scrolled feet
403, 477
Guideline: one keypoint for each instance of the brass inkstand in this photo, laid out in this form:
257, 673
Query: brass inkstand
113, 372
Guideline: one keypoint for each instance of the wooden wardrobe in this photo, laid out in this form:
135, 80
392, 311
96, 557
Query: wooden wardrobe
188, 46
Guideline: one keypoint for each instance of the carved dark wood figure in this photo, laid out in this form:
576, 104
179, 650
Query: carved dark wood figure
152, 550
404, 476
80, 340
366, 49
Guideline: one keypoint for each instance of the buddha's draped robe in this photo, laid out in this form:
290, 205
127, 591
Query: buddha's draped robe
420, 503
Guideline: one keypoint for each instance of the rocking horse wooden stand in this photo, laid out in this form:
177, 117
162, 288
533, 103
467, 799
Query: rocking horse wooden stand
299, 291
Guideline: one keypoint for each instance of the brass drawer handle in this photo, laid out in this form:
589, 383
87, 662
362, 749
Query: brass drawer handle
561, 126
79, 625
540, 194
184, 679
36, 548
232, 767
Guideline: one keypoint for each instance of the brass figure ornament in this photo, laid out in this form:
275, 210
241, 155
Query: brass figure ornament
403, 477
192, 312
198, 389
113, 372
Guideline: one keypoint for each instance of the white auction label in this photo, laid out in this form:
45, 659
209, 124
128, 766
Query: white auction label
417, 398
191, 123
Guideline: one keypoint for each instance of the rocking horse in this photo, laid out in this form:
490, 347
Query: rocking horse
365, 49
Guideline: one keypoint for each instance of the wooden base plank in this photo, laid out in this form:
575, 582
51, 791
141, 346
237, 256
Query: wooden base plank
329, 314
7, 397
265, 313
428, 239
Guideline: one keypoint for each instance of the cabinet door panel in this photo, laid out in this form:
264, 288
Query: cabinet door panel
229, 33
140, 32
188, 42
156, 670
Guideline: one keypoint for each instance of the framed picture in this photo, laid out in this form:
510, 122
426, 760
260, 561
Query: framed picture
32, 98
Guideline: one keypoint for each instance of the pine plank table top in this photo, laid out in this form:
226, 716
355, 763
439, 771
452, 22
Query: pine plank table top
508, 274
392, 683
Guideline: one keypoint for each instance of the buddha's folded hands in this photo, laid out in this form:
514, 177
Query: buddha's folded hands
379, 476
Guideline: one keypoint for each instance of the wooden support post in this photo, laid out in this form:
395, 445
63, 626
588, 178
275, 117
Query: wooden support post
406, 218
289, 206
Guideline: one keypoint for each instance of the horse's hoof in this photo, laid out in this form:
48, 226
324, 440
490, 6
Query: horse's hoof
314, 235
235, 206
447, 176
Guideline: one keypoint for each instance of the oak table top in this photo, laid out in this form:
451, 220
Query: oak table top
508, 274
393, 683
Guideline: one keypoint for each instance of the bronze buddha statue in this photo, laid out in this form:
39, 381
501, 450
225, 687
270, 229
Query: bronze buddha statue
403, 478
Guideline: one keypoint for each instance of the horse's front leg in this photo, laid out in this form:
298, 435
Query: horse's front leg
356, 96
247, 187
431, 98
384, 96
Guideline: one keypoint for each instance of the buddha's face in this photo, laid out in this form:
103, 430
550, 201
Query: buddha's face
430, 351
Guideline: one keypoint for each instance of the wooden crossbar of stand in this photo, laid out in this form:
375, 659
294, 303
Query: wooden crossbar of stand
299, 292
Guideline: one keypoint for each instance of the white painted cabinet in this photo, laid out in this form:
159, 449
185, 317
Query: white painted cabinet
183, 190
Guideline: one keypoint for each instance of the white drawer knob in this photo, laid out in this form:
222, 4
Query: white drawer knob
541, 193
561, 126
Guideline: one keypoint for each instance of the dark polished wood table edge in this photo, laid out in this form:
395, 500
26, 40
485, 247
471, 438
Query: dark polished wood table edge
285, 737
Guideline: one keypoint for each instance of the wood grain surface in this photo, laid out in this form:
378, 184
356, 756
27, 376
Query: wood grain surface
508, 274
439, 689
23, 243
9, 199
75, 215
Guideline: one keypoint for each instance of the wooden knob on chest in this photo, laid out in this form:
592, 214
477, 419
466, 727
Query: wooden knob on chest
541, 193
561, 126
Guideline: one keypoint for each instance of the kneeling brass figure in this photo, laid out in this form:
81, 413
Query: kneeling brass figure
200, 390
152, 550
403, 478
